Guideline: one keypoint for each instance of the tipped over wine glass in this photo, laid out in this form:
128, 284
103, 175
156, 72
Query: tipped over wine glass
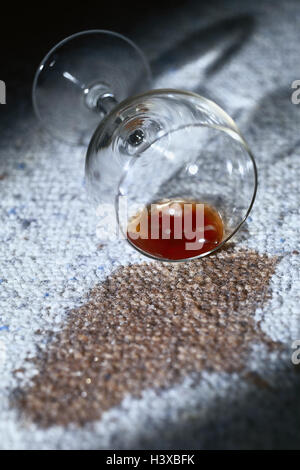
180, 161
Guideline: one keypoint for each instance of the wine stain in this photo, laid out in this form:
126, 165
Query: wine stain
149, 326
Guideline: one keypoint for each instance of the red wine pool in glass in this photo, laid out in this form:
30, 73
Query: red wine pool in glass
166, 245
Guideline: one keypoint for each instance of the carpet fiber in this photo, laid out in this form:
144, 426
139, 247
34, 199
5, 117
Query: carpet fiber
101, 349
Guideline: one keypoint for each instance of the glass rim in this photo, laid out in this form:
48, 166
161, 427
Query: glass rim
222, 243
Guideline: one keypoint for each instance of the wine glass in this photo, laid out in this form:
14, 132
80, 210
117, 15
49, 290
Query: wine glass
159, 147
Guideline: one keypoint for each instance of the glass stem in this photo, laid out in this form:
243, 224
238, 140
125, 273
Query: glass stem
106, 103
99, 98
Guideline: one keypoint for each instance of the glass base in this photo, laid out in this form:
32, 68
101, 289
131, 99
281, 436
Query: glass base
82, 78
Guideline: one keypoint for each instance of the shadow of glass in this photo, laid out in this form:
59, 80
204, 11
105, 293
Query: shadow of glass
272, 128
222, 40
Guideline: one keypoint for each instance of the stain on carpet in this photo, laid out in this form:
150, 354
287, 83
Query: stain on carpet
149, 326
